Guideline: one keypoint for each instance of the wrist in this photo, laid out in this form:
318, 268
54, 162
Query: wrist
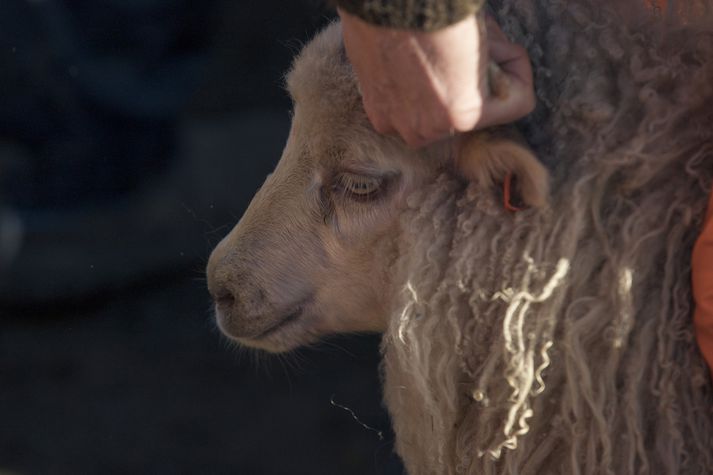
424, 15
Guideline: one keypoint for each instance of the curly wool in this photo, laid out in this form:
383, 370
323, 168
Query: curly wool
560, 340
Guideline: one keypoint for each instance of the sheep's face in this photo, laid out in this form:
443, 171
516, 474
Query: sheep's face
313, 253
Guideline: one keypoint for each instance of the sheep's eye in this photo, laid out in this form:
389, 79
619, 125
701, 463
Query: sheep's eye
359, 187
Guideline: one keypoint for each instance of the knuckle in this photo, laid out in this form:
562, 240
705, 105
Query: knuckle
464, 119
378, 119
432, 129
411, 138
381, 127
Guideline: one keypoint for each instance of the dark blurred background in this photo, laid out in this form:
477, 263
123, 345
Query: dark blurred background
133, 134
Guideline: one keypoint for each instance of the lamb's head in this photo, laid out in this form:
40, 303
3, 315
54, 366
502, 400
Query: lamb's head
314, 252
311, 254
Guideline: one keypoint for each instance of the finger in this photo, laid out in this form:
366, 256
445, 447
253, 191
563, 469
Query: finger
379, 117
520, 100
438, 123
412, 138
408, 124
466, 117
512, 59
381, 125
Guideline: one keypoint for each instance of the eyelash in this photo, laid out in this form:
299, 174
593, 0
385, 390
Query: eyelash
360, 188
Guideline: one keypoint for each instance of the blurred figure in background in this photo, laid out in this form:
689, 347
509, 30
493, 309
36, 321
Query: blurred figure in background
103, 180
90, 101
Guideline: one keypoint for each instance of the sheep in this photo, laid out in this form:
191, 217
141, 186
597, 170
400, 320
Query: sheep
556, 339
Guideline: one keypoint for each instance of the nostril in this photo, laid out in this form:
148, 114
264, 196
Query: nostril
224, 300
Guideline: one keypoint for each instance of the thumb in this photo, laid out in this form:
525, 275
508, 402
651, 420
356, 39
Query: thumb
511, 85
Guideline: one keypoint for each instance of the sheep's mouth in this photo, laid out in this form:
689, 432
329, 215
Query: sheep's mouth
277, 331
283, 322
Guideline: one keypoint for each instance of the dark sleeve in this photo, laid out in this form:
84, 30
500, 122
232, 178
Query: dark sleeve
425, 15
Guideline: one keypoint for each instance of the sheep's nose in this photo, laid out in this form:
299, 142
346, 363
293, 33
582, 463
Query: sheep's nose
242, 310
221, 285
218, 277
224, 300
230, 313
219, 288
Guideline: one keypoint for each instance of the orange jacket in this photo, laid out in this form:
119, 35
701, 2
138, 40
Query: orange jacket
702, 277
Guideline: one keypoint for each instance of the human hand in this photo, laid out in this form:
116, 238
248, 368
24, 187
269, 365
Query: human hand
427, 85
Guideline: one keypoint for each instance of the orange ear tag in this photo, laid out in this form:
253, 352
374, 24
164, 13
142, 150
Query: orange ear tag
507, 194
702, 281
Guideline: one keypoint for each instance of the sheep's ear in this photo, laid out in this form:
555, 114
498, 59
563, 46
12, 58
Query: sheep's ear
487, 157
